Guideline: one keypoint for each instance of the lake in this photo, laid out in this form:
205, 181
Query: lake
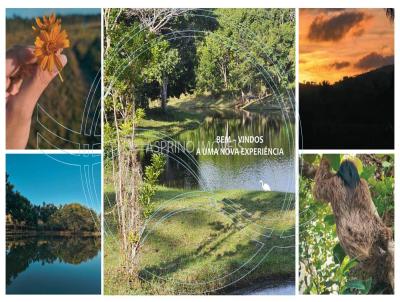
53, 265
186, 169
284, 289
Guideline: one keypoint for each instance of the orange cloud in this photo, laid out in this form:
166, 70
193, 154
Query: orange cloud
336, 27
334, 43
374, 60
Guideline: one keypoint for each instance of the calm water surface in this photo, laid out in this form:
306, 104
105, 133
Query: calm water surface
53, 265
285, 289
218, 172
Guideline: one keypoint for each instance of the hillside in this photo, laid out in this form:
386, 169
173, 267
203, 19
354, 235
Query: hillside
356, 112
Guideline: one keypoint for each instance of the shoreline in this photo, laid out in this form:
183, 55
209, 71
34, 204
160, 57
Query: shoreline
184, 114
29, 234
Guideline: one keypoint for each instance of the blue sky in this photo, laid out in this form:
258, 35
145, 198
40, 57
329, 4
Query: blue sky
34, 12
57, 178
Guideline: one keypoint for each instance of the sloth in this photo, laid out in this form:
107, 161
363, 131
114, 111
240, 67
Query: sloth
361, 232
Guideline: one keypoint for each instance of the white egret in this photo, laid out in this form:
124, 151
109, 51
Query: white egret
265, 186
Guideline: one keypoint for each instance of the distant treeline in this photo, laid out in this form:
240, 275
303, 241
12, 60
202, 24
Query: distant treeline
72, 217
65, 102
356, 112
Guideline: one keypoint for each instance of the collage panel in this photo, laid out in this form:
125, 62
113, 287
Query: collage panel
199, 151
53, 78
346, 78
53, 224
346, 224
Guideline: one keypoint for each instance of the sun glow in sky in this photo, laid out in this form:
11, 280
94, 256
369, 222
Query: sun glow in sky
334, 43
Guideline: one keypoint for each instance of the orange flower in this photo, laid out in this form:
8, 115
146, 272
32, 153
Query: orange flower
49, 44
47, 24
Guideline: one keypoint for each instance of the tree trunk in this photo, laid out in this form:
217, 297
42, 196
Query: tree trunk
164, 94
225, 77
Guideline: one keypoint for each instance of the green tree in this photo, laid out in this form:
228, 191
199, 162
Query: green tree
125, 60
19, 207
162, 67
45, 211
214, 57
252, 51
74, 218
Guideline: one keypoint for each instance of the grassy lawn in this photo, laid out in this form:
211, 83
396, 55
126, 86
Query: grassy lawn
198, 242
190, 101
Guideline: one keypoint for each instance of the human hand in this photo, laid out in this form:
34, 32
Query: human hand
25, 83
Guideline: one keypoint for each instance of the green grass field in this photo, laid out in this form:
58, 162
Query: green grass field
199, 242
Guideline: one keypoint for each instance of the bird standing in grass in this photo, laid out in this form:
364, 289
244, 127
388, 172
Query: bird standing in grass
265, 186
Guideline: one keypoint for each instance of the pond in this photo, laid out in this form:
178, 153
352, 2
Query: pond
190, 169
53, 265
285, 289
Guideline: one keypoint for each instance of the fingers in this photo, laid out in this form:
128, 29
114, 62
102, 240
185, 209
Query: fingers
25, 82
8, 82
28, 91
15, 87
42, 78
18, 56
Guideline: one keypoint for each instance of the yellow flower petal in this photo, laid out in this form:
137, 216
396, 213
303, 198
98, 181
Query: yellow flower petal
43, 64
58, 62
39, 22
51, 63
49, 43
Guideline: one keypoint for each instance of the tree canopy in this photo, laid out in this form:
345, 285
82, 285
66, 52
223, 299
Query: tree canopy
70, 217
158, 54
252, 51
75, 218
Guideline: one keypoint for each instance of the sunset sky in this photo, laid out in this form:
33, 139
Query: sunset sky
343, 42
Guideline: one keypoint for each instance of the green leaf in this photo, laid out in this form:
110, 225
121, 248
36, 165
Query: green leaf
386, 164
338, 253
356, 284
347, 265
358, 164
368, 172
363, 286
329, 219
309, 158
334, 160
368, 284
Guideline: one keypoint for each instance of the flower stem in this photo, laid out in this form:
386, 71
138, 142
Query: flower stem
60, 76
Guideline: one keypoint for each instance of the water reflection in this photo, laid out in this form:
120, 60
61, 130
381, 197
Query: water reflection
192, 171
50, 264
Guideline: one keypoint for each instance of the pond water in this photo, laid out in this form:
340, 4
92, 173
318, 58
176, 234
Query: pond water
53, 265
187, 169
282, 289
